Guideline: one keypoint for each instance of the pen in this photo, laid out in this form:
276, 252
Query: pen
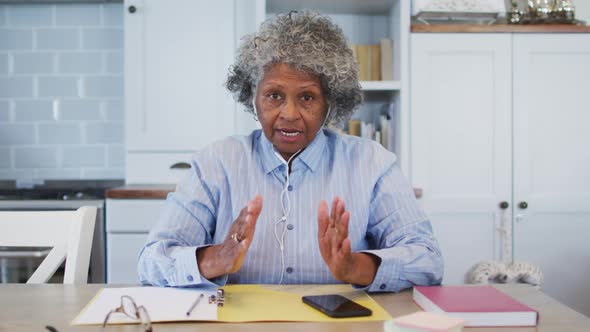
188, 313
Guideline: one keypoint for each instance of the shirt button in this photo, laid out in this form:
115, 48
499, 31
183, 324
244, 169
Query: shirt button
189, 278
383, 286
290, 227
290, 188
289, 270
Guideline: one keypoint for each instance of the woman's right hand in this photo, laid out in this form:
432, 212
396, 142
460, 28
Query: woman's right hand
227, 257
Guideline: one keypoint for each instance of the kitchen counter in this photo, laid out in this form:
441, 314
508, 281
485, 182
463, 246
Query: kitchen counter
161, 191
500, 28
141, 191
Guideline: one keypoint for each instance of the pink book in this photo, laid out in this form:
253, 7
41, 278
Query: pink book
477, 305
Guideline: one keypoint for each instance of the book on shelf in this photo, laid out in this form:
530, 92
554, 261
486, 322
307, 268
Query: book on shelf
375, 61
477, 305
354, 127
364, 61
386, 49
379, 132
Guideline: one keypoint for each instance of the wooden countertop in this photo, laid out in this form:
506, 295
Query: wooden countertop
141, 191
31, 307
500, 28
161, 191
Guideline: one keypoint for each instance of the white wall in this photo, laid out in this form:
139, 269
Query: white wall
583, 10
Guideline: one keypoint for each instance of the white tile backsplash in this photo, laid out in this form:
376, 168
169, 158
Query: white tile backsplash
61, 91
33, 63
83, 156
4, 111
16, 39
2, 16
58, 39
77, 14
80, 110
5, 157
4, 64
16, 87
114, 62
30, 15
35, 157
112, 15
103, 86
80, 62
104, 133
59, 133
33, 110
102, 38
58, 86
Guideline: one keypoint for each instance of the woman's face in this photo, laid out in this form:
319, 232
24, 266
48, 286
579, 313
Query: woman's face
291, 108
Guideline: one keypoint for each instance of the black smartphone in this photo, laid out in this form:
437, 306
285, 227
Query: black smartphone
336, 306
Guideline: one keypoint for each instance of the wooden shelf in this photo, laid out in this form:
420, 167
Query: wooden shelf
365, 7
380, 85
500, 28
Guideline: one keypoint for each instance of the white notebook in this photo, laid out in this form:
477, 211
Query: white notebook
162, 304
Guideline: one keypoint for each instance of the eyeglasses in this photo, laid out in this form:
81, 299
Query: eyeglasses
130, 309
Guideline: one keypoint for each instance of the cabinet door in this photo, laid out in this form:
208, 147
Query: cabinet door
122, 255
552, 162
460, 141
132, 215
177, 55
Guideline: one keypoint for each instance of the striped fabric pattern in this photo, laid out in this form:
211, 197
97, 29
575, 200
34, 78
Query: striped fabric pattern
385, 221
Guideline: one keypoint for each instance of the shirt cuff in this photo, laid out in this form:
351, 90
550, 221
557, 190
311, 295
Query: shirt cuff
387, 278
188, 273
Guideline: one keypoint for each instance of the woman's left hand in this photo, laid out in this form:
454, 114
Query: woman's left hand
346, 266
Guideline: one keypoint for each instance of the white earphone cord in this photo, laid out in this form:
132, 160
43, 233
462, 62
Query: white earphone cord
285, 197
282, 221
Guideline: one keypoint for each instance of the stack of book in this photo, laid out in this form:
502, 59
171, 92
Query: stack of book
379, 132
375, 61
381, 129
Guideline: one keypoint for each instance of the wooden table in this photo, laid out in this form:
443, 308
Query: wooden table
31, 307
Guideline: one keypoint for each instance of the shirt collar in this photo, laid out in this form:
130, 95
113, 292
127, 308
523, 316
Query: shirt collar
310, 157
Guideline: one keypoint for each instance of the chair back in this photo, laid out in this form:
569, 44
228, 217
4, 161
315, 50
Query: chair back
68, 233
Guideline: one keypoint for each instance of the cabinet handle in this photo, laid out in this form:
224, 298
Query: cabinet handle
418, 192
132, 9
504, 205
523, 205
180, 165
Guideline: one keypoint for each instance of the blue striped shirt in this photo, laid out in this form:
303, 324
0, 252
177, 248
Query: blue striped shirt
385, 219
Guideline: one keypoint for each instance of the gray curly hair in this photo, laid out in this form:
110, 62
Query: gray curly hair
306, 41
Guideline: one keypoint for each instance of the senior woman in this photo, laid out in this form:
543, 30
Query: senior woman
296, 75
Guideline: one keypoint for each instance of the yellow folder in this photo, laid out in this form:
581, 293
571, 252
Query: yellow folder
249, 303
243, 303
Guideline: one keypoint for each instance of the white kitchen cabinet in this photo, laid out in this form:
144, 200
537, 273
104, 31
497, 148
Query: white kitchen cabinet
122, 254
177, 56
128, 222
461, 156
501, 118
552, 161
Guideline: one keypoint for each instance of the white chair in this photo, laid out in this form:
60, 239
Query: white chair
69, 233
